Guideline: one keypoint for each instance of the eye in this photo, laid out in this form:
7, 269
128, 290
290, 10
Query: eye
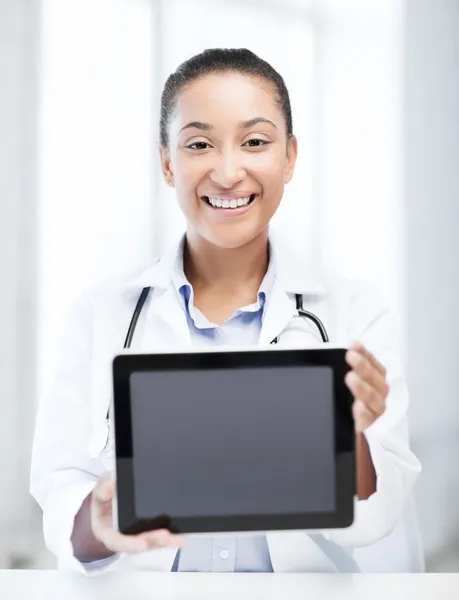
256, 143
198, 146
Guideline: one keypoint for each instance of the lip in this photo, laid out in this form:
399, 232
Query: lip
231, 212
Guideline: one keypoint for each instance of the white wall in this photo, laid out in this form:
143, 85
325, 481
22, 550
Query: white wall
18, 136
431, 138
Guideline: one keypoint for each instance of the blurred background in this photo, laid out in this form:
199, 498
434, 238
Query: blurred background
375, 93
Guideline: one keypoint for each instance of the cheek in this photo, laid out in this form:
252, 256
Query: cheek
272, 179
188, 172
270, 167
185, 182
189, 175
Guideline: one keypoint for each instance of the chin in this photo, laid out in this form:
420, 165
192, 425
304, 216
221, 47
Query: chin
232, 240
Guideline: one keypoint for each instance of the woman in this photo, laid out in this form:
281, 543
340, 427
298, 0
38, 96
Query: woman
228, 149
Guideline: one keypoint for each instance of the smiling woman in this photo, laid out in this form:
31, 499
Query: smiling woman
227, 150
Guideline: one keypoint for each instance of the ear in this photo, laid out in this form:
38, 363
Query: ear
166, 166
292, 153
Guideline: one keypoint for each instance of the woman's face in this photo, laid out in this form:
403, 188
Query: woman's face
229, 157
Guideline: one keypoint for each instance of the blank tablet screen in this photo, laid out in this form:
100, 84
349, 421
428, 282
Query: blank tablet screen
236, 441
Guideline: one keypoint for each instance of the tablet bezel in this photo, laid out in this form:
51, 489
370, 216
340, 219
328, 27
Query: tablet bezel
344, 440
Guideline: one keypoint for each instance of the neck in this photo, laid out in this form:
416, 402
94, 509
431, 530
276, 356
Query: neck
208, 265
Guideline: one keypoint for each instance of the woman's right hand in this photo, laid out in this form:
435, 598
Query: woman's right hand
104, 531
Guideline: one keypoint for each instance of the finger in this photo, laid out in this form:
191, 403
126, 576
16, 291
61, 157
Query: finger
141, 542
367, 371
360, 389
103, 491
363, 418
156, 539
163, 538
117, 542
359, 347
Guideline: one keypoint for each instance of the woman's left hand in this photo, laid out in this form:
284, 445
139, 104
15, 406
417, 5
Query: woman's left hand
367, 382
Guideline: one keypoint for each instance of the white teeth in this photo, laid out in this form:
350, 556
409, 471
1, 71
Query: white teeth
234, 203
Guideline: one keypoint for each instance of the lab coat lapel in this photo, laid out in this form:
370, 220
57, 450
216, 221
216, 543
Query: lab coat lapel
279, 311
293, 275
164, 323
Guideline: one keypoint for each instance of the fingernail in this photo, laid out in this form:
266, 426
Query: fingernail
353, 357
351, 377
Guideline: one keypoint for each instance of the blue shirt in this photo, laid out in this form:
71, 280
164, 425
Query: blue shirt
223, 553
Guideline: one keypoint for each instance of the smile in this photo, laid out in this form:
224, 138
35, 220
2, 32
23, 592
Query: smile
227, 204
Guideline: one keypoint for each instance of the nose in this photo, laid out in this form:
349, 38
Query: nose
228, 170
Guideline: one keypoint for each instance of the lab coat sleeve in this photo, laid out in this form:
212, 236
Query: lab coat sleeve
62, 471
372, 323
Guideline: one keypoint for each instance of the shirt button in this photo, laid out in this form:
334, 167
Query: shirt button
224, 553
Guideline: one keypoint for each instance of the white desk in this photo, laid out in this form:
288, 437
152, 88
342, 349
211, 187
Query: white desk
54, 585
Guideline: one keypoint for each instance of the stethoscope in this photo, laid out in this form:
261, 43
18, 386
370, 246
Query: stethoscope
146, 290
299, 306
144, 295
335, 553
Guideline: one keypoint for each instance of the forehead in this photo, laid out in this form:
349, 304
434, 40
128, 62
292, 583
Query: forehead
227, 98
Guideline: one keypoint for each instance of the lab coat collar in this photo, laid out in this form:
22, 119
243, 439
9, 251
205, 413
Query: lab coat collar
294, 275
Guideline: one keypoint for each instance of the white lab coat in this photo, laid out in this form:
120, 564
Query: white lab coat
70, 449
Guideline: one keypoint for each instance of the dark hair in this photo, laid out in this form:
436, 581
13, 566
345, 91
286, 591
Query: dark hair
221, 60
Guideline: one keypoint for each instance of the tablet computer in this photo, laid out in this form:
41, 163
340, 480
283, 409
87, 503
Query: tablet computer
233, 441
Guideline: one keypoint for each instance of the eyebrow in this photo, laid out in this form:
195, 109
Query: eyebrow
255, 121
243, 125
